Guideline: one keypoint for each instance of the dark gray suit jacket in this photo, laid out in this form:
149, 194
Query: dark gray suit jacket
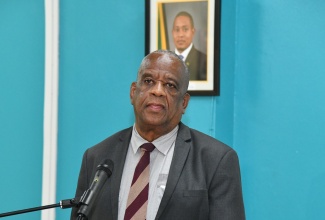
196, 62
203, 182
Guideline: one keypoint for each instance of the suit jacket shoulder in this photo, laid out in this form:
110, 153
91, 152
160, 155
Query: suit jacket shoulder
114, 148
107, 148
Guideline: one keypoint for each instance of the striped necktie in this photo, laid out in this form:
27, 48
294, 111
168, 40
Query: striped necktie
138, 195
181, 56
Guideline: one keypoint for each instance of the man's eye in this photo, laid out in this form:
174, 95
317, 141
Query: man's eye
170, 85
148, 81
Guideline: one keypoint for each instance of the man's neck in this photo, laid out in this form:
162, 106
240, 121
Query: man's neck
184, 52
151, 134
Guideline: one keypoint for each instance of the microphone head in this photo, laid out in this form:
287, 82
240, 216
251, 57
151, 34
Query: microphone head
107, 166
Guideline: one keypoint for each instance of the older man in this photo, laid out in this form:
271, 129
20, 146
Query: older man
162, 168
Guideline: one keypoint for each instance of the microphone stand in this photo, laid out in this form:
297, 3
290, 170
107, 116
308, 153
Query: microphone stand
104, 171
67, 203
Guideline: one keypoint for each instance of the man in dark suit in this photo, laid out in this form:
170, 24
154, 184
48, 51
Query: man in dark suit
192, 175
183, 33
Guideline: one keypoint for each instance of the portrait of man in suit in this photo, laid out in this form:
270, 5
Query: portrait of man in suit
183, 33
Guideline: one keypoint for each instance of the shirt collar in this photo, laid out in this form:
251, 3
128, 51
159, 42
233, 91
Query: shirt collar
185, 52
162, 144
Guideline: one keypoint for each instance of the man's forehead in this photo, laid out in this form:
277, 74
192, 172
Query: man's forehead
165, 58
182, 18
162, 63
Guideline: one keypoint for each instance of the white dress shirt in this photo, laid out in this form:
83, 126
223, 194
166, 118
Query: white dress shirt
185, 52
160, 160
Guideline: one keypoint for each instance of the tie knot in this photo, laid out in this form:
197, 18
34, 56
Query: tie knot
181, 56
148, 147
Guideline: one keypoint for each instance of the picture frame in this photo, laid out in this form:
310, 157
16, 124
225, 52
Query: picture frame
163, 27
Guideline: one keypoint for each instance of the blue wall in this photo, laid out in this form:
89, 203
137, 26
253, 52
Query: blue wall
21, 110
271, 108
280, 107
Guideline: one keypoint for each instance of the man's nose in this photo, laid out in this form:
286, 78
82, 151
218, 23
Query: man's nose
158, 89
181, 33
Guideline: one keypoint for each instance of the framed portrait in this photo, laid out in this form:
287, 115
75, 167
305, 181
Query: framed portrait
190, 28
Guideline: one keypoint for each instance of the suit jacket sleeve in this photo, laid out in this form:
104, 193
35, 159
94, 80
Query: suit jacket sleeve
225, 193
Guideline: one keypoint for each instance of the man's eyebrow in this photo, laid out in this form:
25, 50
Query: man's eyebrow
168, 76
146, 74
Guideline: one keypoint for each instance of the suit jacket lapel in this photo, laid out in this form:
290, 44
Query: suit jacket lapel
182, 148
191, 57
120, 155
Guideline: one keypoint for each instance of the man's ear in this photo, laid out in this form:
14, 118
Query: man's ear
193, 30
186, 100
132, 91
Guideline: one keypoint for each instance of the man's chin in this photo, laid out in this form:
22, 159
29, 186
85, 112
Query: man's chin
181, 48
154, 122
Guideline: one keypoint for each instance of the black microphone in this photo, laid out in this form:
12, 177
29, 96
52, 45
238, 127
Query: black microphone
104, 171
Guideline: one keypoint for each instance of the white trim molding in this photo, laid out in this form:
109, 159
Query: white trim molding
50, 126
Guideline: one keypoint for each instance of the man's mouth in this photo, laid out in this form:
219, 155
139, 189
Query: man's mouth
155, 106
